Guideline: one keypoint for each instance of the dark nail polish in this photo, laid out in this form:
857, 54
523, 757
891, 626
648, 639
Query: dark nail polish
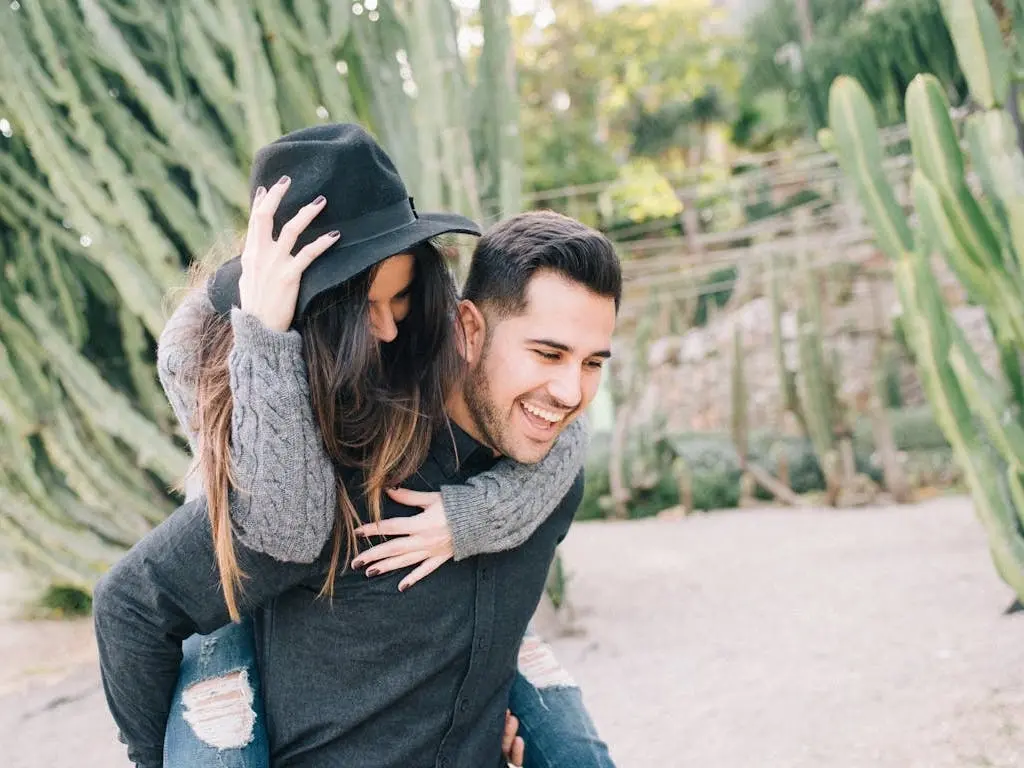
284, 180
358, 563
372, 571
320, 200
335, 233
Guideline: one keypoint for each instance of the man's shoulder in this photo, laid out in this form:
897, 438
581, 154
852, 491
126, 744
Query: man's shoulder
574, 496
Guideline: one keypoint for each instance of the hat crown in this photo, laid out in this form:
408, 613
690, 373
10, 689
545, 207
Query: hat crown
340, 161
367, 202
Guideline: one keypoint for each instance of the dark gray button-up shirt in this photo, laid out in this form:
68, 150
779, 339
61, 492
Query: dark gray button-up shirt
374, 678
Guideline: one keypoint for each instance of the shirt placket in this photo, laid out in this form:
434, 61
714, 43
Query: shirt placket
483, 635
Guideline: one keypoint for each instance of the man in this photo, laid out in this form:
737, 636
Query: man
375, 678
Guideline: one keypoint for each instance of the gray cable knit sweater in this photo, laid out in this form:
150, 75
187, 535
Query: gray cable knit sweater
286, 499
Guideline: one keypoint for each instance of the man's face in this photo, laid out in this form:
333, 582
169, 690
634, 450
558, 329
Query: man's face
538, 370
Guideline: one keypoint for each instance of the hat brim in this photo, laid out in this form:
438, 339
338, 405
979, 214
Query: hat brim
343, 261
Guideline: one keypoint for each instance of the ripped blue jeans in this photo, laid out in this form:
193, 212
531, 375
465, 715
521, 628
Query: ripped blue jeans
217, 717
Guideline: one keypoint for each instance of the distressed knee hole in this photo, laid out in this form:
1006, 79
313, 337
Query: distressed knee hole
538, 664
219, 710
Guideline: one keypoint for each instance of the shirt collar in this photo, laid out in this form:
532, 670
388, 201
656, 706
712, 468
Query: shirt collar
455, 449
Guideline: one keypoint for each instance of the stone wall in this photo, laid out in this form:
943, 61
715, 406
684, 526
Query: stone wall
689, 384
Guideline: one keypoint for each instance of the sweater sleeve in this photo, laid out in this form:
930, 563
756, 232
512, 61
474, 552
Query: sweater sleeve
500, 509
177, 358
284, 501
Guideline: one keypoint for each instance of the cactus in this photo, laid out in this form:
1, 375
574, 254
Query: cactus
979, 414
626, 383
739, 419
132, 126
811, 392
684, 483
753, 474
787, 378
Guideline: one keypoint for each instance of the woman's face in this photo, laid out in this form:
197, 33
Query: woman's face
390, 296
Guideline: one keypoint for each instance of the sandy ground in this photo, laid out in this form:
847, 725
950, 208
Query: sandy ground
762, 638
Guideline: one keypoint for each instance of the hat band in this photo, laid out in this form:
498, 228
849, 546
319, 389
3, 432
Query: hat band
377, 223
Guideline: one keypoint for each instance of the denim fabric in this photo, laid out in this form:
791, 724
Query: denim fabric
230, 649
556, 727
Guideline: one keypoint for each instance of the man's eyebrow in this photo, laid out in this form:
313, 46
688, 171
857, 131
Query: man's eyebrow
605, 353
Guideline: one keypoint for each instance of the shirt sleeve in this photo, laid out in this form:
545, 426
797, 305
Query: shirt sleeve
162, 591
500, 509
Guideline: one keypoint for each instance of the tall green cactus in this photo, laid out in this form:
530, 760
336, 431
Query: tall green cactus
787, 378
739, 414
812, 396
128, 128
980, 240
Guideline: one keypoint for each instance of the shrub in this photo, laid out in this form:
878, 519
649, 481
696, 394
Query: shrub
913, 429
64, 601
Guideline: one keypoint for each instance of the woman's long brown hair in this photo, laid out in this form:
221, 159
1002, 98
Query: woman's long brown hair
377, 405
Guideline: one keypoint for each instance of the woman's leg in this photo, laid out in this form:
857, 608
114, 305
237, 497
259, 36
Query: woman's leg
217, 718
552, 719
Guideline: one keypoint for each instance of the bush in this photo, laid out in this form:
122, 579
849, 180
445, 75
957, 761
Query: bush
722, 282
714, 468
716, 490
913, 429
64, 601
711, 459
805, 473
934, 469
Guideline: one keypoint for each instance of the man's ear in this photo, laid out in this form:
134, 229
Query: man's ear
474, 331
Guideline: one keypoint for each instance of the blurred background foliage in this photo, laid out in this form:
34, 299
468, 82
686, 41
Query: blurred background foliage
685, 129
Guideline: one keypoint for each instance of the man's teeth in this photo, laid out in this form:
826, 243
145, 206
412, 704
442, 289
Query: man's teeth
554, 418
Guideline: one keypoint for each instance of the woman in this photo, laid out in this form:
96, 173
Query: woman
325, 365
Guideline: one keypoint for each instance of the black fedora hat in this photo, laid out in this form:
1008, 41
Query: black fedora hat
366, 201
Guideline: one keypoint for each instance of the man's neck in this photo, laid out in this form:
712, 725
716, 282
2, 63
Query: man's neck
458, 411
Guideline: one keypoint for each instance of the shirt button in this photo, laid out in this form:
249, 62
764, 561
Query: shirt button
481, 644
463, 705
483, 574
444, 762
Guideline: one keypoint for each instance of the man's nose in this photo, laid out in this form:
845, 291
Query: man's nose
566, 387
382, 324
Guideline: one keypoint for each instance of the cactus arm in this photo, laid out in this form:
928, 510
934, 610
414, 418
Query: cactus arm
979, 48
855, 132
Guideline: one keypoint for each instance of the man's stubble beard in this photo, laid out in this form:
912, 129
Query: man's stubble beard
482, 410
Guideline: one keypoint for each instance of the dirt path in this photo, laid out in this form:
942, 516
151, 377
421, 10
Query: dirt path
757, 639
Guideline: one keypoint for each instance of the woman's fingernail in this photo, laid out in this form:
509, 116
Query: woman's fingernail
402, 587
372, 571
320, 200
260, 193
284, 180
335, 233
358, 563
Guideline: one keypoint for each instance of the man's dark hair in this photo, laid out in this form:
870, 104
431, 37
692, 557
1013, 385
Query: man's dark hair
509, 254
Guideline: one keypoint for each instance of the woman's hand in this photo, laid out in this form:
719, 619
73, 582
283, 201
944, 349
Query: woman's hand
425, 539
269, 285
512, 747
